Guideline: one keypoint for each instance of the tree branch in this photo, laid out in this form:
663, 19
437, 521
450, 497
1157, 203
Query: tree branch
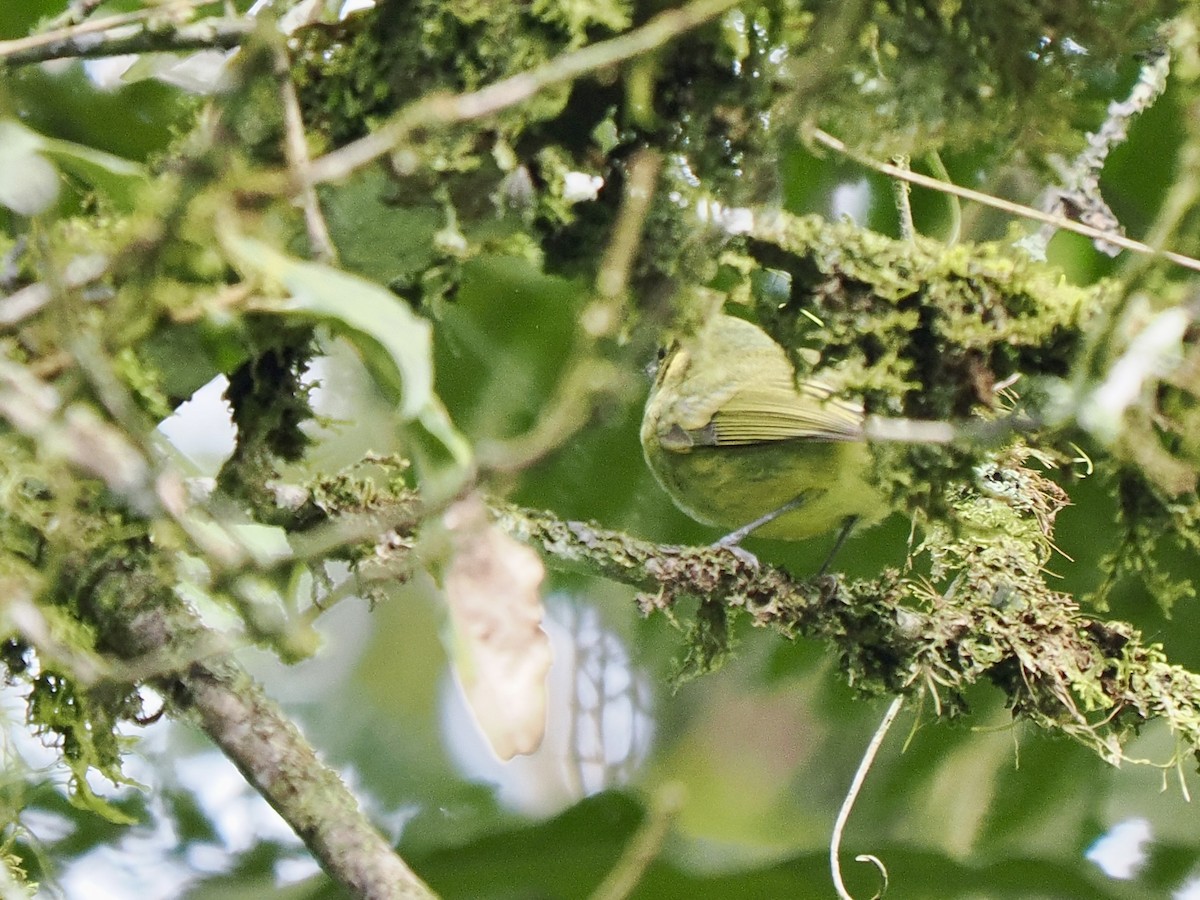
275, 758
1017, 209
1093, 680
265, 745
81, 43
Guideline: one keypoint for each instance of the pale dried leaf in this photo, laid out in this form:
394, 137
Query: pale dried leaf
502, 654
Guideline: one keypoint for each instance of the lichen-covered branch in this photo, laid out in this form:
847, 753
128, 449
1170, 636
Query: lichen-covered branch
265, 745
274, 757
1063, 670
77, 43
1079, 196
117, 622
481, 114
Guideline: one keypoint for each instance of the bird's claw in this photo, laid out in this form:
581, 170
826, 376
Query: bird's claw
741, 553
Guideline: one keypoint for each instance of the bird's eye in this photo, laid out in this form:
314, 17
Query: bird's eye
655, 364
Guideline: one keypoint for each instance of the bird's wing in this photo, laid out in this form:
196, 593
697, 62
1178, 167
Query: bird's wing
769, 413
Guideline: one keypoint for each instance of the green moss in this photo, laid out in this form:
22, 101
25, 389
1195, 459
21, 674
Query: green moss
353, 74
1148, 522
918, 328
708, 644
60, 540
144, 381
84, 725
269, 400
922, 331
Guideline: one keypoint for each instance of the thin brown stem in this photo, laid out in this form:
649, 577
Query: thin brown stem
295, 148
843, 816
1018, 209
83, 42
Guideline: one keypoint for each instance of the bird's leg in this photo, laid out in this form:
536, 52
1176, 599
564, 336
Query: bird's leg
847, 527
731, 540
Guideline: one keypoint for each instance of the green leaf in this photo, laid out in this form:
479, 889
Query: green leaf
585, 842
376, 236
118, 179
395, 343
28, 183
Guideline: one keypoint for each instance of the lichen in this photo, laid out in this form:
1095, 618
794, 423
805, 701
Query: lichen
981, 611
59, 539
268, 396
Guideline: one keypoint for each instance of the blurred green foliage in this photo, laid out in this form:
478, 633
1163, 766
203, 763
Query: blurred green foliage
475, 230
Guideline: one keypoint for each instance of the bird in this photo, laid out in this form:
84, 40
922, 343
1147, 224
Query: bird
737, 441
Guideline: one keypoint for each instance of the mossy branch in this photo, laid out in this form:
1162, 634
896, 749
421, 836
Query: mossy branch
84, 42
113, 619
141, 620
1093, 680
439, 110
992, 617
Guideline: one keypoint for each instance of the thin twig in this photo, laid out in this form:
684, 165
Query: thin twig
218, 34
902, 195
73, 31
621, 253
579, 390
643, 848
1080, 194
449, 109
75, 13
295, 148
1018, 209
839, 826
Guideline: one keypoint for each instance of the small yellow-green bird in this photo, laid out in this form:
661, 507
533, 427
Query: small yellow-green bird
733, 438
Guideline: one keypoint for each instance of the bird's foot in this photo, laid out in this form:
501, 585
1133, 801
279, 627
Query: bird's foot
731, 544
